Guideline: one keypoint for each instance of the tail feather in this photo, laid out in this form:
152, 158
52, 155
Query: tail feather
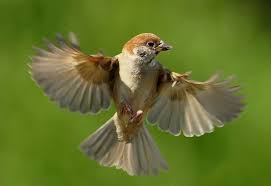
94, 146
140, 156
153, 152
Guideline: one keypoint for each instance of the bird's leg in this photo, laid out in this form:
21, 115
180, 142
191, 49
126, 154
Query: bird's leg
134, 123
131, 121
136, 117
126, 108
125, 113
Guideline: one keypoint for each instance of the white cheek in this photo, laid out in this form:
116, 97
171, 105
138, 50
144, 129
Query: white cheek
135, 50
127, 56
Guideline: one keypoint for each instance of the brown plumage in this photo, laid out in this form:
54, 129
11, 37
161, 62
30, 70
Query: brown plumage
140, 88
140, 39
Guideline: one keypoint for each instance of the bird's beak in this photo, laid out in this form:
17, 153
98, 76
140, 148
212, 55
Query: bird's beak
163, 47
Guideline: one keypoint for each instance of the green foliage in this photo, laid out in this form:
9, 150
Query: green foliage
39, 141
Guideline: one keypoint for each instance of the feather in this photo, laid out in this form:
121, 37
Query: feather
155, 111
195, 107
74, 41
68, 76
137, 157
85, 103
174, 126
164, 117
105, 96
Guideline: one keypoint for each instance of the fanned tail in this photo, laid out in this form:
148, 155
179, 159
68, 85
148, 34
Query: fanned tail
139, 156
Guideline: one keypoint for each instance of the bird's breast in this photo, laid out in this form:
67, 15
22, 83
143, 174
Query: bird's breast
136, 84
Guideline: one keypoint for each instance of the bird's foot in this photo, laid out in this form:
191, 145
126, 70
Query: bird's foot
127, 132
126, 108
136, 117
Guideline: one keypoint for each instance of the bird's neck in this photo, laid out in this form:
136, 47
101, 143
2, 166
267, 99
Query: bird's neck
131, 64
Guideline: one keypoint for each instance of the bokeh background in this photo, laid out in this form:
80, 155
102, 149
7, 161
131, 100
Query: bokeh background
39, 141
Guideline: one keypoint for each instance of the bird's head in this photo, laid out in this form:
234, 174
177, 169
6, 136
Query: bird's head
145, 46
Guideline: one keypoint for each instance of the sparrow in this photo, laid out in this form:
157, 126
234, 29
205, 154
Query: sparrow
143, 91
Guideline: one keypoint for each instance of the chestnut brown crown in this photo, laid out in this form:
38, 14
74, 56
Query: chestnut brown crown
141, 39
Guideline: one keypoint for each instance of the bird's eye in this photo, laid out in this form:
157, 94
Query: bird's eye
150, 44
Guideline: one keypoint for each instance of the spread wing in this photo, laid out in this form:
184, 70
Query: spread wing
193, 107
73, 79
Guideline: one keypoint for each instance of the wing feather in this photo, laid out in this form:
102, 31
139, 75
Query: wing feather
193, 107
73, 79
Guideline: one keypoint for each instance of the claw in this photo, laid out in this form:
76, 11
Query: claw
136, 117
126, 109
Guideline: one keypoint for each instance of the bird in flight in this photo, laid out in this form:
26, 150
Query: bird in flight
142, 89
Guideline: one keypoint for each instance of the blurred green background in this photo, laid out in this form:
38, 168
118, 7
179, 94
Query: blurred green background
39, 141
